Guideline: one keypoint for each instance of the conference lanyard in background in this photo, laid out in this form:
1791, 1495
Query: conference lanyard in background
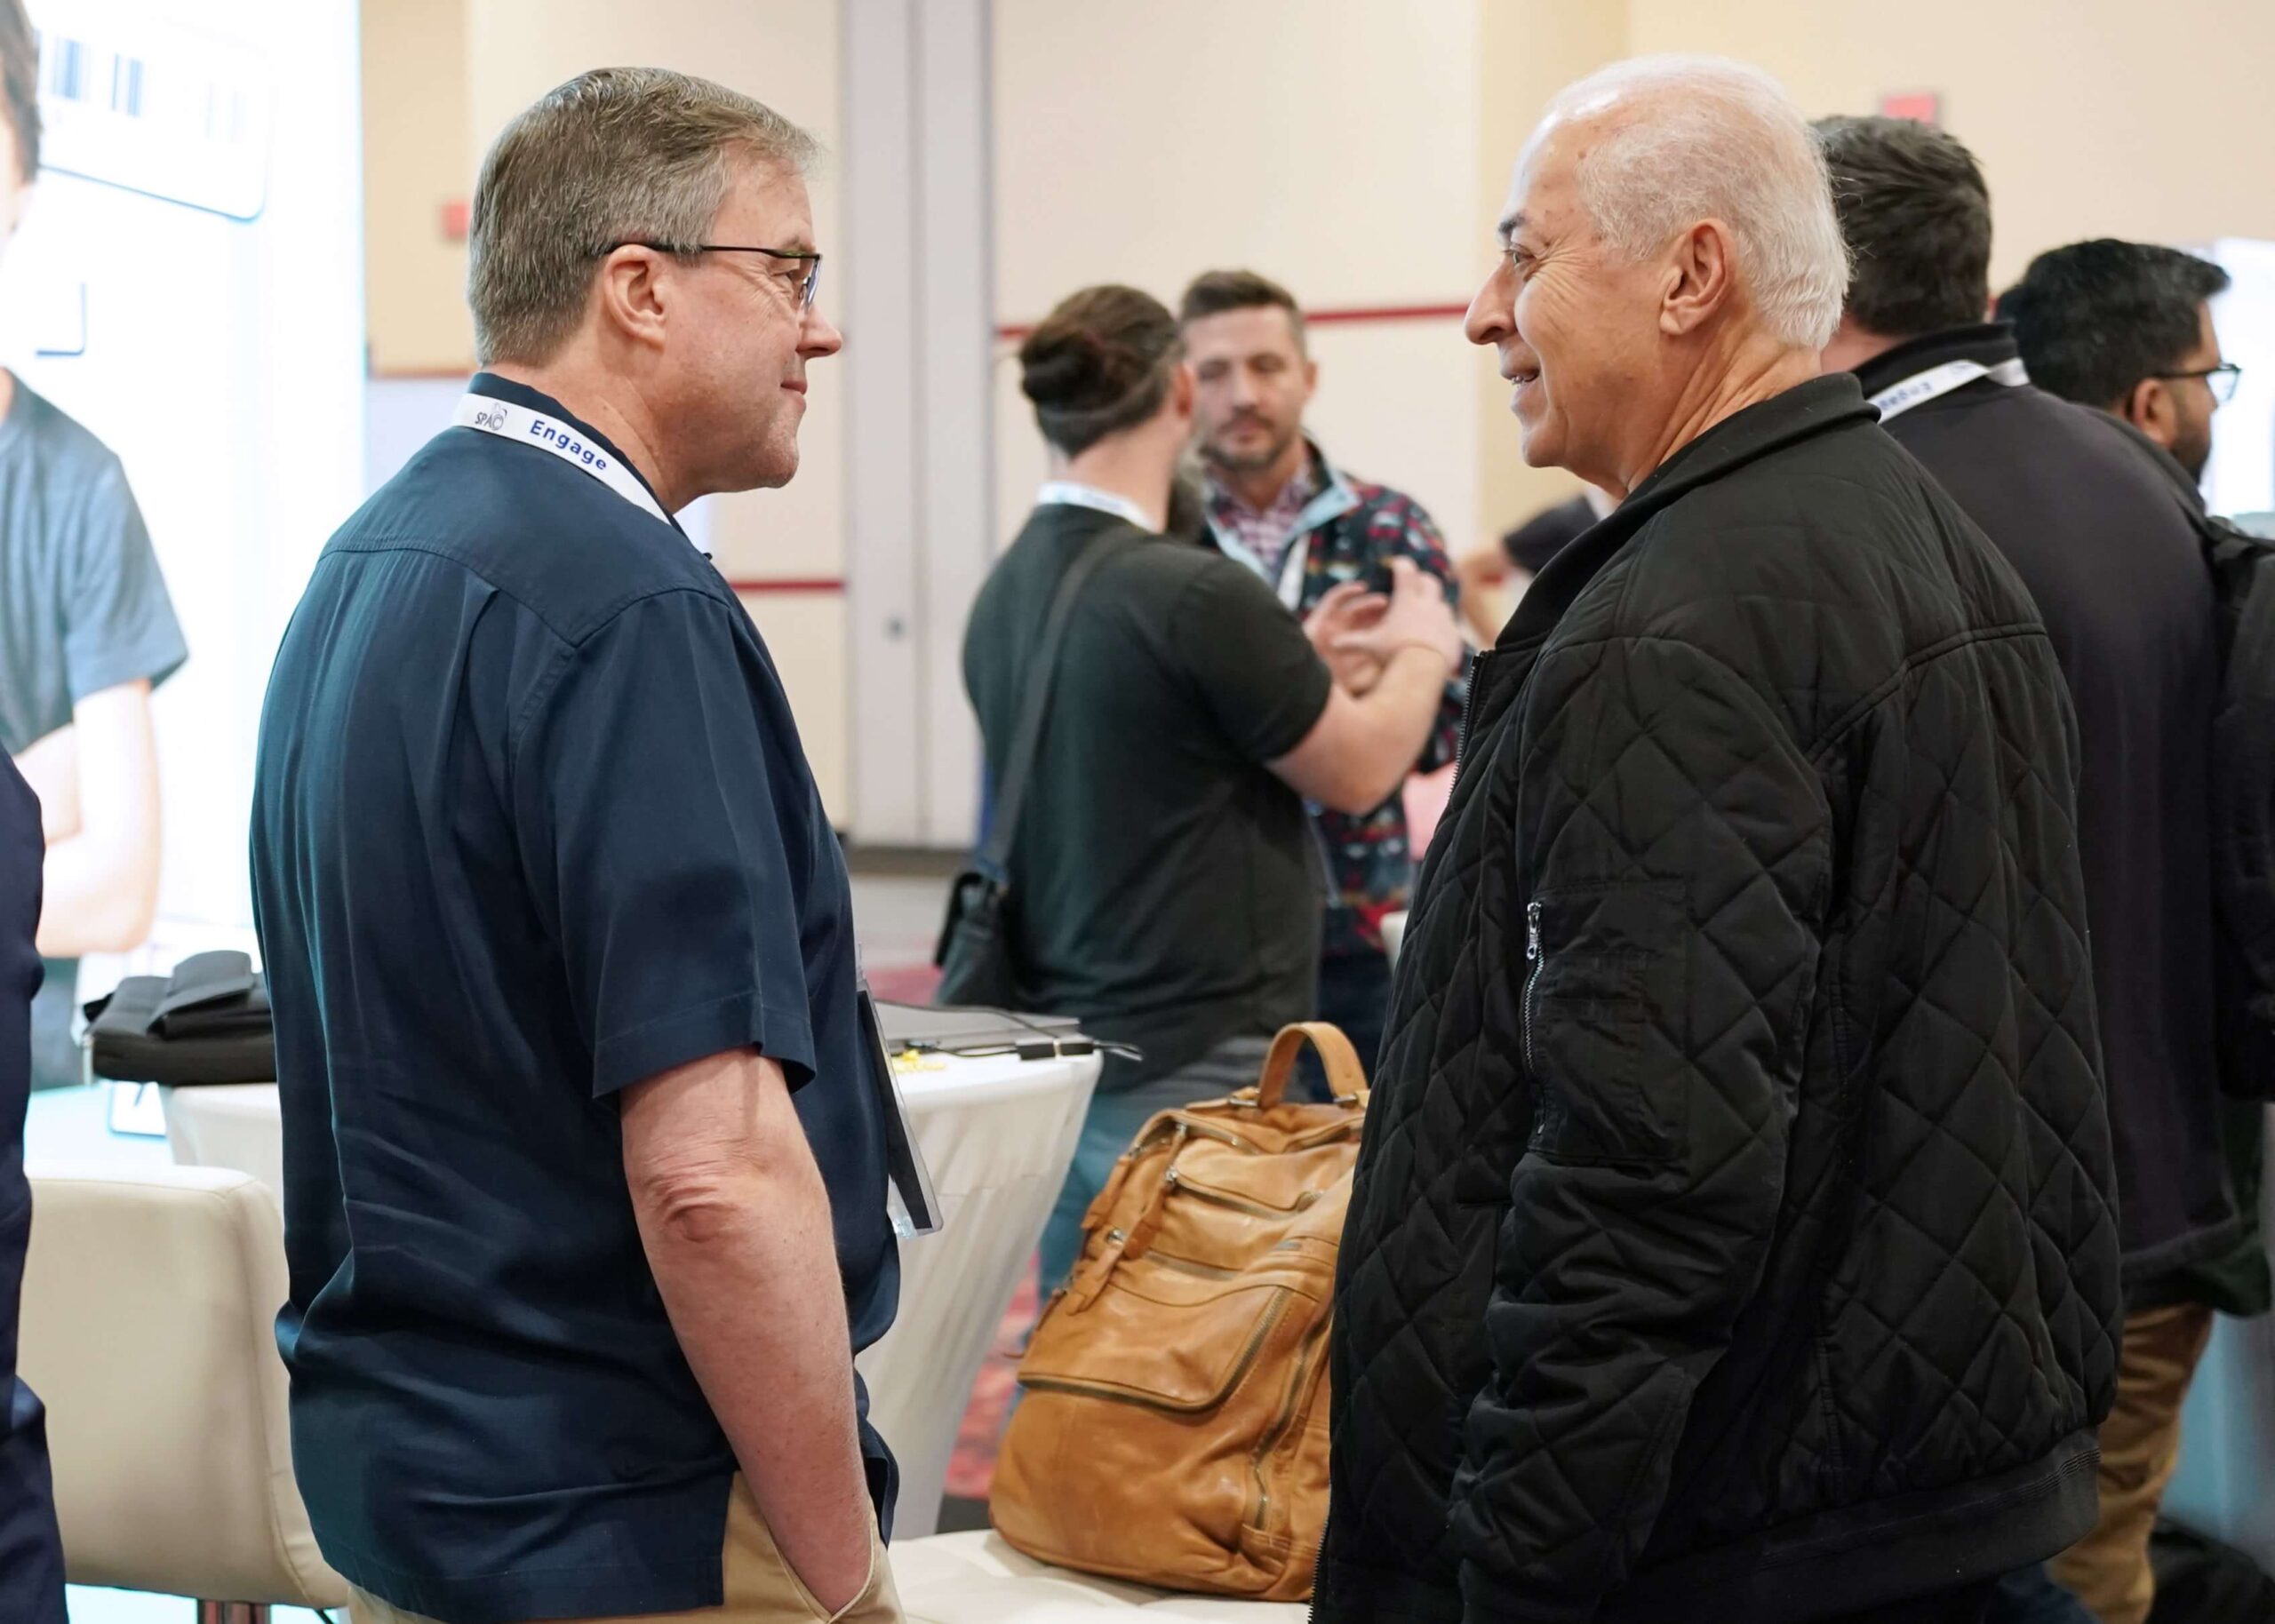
1937, 382
524, 427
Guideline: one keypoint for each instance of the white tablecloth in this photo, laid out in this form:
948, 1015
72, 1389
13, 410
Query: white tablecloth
998, 1135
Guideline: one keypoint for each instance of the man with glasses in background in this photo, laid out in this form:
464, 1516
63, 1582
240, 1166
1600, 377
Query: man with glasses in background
2112, 560
2127, 327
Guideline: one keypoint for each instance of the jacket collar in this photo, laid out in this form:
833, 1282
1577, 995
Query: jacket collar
1820, 406
1987, 343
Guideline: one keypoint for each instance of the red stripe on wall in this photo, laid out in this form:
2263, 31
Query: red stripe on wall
761, 588
1350, 316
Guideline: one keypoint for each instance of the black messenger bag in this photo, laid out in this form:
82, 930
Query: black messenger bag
207, 1022
975, 948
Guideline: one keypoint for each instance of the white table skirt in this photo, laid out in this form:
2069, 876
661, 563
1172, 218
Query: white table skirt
998, 1135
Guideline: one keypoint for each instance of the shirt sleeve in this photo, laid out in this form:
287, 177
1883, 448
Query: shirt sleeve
119, 624
1256, 672
665, 815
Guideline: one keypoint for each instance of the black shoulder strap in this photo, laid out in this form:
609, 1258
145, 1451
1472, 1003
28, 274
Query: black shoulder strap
1027, 739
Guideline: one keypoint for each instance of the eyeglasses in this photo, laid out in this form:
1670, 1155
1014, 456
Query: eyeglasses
2220, 381
808, 285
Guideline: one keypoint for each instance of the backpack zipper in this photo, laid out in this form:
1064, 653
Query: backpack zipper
1538, 958
1112, 1394
1177, 1181
1286, 1418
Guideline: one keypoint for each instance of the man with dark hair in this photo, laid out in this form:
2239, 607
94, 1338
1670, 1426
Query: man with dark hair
86, 632
2116, 569
2127, 327
1325, 542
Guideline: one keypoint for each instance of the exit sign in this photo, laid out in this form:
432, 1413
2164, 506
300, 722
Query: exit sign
1925, 106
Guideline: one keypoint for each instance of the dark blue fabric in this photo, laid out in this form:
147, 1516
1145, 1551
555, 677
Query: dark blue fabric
31, 1555
531, 823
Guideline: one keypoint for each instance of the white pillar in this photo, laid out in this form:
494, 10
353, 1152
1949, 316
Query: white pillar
918, 323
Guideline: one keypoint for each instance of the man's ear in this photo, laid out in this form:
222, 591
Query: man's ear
2149, 406
631, 289
1702, 277
14, 202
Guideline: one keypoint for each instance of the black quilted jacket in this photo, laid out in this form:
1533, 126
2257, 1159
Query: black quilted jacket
1733, 1239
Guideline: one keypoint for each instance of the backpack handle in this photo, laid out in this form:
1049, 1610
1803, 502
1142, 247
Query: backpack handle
1346, 1079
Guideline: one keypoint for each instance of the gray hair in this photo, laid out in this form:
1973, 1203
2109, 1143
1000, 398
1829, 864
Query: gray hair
1693, 138
615, 155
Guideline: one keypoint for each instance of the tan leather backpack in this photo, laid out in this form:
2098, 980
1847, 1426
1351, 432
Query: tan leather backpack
1173, 1431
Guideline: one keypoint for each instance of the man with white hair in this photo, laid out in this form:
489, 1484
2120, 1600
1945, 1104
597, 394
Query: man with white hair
1733, 1239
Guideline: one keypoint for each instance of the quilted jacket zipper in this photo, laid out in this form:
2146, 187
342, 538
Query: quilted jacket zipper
1477, 665
1538, 958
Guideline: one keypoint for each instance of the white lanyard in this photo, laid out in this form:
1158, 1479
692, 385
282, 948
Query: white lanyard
1921, 388
1291, 563
508, 421
1067, 493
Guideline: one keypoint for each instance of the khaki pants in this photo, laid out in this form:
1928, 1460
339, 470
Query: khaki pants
2140, 1444
760, 1587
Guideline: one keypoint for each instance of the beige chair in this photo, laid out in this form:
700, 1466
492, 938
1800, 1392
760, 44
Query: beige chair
149, 1307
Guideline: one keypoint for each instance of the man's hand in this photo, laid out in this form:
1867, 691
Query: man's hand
735, 1220
1417, 617
1346, 609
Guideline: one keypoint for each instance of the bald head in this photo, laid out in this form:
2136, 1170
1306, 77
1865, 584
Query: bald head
1660, 143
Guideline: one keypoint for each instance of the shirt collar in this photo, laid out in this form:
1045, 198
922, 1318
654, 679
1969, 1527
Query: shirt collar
1986, 343
1805, 410
536, 400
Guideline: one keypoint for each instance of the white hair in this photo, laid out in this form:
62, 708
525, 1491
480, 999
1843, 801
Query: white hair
1686, 138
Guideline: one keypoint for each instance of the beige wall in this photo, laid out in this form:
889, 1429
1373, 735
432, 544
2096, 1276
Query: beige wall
415, 145
1330, 144
2091, 118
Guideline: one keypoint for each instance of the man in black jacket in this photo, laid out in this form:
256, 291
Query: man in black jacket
1733, 1237
2115, 561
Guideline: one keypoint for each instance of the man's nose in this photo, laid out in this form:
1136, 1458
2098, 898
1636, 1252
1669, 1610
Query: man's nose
1492, 313
820, 337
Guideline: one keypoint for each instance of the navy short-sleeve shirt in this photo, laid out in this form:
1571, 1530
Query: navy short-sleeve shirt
531, 823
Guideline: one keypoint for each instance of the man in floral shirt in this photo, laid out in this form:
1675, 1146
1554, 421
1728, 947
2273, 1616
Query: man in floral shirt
1324, 542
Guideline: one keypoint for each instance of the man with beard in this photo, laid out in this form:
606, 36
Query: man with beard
1324, 542
2127, 327
2114, 563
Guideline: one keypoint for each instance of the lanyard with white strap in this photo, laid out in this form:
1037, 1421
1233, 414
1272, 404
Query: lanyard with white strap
1292, 563
508, 421
1068, 493
1937, 382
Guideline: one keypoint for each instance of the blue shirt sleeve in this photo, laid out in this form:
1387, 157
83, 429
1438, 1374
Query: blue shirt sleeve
659, 799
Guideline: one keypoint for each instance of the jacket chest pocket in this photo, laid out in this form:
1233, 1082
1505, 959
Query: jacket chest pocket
1606, 1077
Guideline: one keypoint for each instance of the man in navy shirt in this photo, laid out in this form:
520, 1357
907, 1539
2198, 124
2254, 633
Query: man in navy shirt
585, 1176
31, 1555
